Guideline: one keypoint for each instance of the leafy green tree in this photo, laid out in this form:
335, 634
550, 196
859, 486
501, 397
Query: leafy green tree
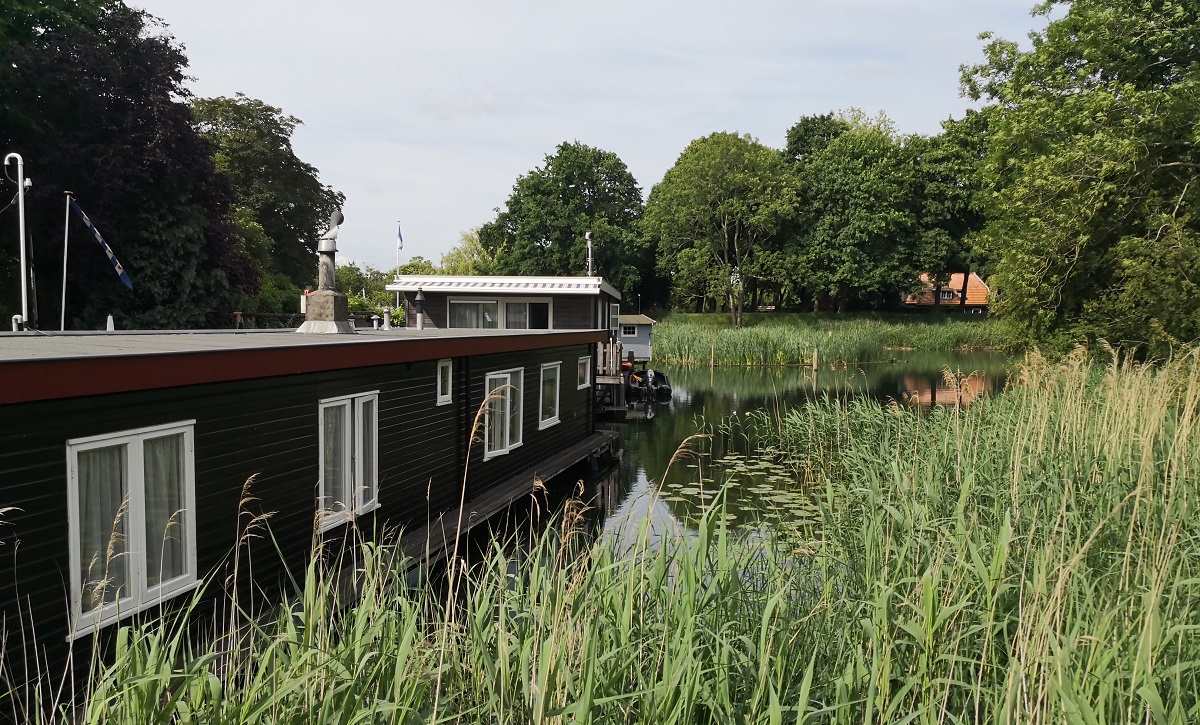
578, 189
470, 257
950, 202
98, 111
1092, 168
812, 134
365, 287
282, 208
727, 198
859, 242
22, 21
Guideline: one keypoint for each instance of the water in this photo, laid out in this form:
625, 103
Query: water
642, 489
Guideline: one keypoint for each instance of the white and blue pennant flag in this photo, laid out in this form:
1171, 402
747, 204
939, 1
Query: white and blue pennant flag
399, 237
104, 245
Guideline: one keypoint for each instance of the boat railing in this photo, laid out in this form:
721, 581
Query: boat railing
608, 362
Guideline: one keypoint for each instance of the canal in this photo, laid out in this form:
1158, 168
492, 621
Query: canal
658, 485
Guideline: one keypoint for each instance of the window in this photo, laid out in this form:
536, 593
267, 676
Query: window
502, 423
628, 331
548, 398
445, 373
481, 314
132, 521
948, 294
584, 374
526, 315
614, 314
349, 485
511, 314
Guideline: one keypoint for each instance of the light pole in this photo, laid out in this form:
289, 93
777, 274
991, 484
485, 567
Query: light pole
21, 226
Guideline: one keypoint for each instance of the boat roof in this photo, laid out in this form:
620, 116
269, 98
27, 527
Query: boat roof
40, 365
480, 284
638, 319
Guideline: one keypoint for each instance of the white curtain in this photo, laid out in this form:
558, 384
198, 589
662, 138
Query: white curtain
367, 450
514, 409
333, 475
165, 517
103, 525
497, 414
549, 393
516, 315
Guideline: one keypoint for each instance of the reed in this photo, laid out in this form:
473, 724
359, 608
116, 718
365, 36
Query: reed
790, 339
1033, 559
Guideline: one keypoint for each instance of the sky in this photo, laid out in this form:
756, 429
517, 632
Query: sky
424, 114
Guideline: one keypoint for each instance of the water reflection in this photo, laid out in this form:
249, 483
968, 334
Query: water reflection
758, 489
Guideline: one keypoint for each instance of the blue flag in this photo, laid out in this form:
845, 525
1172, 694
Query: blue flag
103, 245
399, 237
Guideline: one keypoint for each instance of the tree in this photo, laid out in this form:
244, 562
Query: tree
365, 287
469, 257
97, 111
281, 203
949, 185
859, 240
1092, 170
727, 197
812, 134
578, 189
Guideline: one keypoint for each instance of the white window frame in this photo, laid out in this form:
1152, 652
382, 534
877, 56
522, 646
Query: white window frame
501, 310
517, 394
586, 361
628, 330
139, 597
614, 317
450, 302
544, 423
948, 295
445, 396
352, 439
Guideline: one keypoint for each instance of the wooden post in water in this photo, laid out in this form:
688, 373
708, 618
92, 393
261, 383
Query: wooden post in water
814, 371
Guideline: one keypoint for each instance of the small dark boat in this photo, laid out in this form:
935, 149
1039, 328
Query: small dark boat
647, 385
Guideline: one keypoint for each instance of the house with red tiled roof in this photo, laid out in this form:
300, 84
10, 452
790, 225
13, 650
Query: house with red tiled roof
950, 295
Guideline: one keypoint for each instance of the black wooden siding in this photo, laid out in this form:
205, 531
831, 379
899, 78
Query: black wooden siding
267, 428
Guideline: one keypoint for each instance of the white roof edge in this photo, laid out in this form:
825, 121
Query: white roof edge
494, 284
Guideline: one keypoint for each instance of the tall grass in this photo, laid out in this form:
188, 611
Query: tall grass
1035, 558
790, 339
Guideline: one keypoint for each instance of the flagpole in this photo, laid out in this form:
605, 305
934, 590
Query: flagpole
62, 323
21, 227
399, 246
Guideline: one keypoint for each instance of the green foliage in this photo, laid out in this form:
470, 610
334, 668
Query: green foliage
725, 201
860, 239
364, 286
1092, 165
791, 339
97, 111
578, 189
22, 21
276, 192
470, 257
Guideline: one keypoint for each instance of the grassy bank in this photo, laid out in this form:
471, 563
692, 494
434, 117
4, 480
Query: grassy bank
790, 339
1035, 558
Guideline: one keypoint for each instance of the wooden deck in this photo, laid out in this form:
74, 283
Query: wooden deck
431, 542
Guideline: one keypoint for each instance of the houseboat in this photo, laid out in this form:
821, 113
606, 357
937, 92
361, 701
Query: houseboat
130, 463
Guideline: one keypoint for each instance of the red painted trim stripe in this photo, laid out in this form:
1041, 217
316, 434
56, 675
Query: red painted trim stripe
24, 381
